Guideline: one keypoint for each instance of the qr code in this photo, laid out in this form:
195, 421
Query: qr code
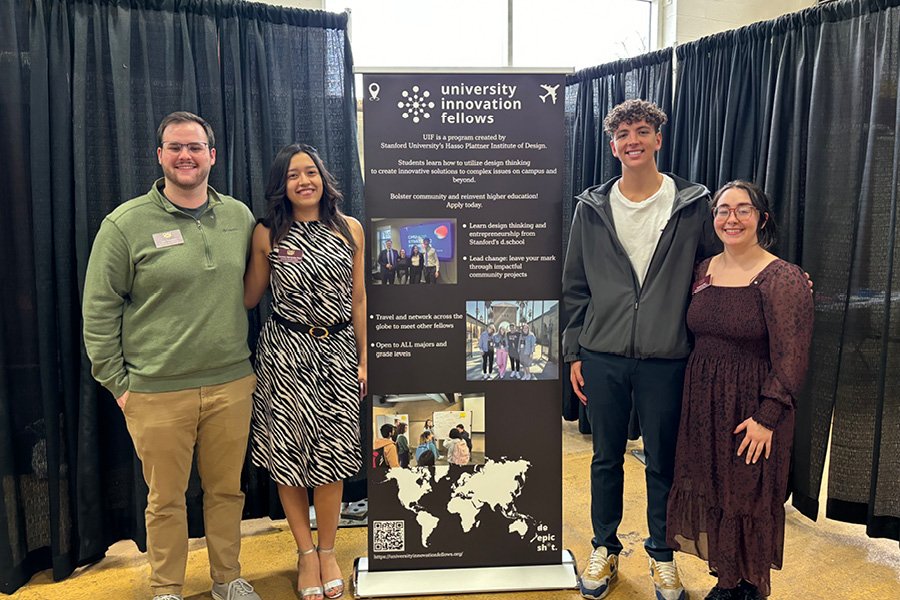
388, 536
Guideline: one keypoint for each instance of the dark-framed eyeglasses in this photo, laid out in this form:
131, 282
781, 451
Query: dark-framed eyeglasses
192, 147
742, 212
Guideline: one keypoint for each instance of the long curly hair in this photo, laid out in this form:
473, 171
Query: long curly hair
280, 213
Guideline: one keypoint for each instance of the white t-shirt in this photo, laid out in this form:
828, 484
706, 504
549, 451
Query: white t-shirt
639, 225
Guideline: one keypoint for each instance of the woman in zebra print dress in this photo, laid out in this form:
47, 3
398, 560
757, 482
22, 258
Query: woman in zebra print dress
311, 358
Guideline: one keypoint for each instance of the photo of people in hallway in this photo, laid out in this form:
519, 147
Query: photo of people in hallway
512, 340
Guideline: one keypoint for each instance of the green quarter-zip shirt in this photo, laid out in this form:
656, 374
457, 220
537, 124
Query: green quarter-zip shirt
163, 296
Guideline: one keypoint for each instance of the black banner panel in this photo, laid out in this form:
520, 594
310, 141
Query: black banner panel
464, 178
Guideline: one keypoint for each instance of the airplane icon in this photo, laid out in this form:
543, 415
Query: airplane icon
551, 92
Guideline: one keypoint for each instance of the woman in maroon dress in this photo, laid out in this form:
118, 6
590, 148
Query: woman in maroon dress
751, 315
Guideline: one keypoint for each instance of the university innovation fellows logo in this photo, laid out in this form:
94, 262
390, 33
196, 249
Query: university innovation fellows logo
415, 104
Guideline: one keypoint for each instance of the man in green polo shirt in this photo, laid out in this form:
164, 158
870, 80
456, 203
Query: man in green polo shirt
166, 331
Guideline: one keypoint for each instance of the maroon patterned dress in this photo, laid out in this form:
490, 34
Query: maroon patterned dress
749, 360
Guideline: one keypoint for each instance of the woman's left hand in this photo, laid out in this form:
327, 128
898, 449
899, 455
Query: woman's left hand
756, 439
363, 377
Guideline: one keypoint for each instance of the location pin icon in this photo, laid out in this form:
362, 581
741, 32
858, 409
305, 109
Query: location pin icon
374, 88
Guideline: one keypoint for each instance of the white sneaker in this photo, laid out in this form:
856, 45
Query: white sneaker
239, 589
666, 580
602, 570
168, 597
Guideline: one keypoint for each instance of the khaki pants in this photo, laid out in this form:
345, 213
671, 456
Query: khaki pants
165, 428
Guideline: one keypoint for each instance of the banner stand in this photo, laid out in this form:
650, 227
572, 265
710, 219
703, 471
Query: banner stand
476, 580
464, 172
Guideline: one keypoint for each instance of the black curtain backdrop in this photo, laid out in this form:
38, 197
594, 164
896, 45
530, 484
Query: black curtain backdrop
590, 95
807, 106
85, 84
271, 98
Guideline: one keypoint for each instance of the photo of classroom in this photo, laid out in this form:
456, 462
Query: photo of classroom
512, 340
413, 251
423, 430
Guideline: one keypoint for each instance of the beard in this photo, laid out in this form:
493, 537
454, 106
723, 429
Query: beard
187, 179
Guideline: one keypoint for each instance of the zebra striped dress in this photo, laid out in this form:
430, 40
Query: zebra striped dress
305, 429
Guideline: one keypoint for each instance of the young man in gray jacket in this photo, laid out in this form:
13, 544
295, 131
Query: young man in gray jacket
626, 285
166, 331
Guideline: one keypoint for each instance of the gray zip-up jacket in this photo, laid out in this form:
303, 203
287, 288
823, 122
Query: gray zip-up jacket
604, 307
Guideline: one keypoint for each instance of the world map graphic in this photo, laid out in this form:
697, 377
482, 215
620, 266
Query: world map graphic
493, 486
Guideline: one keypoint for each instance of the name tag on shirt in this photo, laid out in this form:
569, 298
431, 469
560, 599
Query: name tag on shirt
702, 284
168, 238
289, 255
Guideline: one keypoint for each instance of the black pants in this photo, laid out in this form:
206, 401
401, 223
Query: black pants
387, 276
429, 275
610, 383
415, 274
487, 361
514, 362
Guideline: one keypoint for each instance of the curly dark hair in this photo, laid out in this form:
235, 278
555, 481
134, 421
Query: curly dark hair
279, 213
766, 228
632, 111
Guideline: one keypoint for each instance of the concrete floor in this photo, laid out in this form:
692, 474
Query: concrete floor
823, 560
